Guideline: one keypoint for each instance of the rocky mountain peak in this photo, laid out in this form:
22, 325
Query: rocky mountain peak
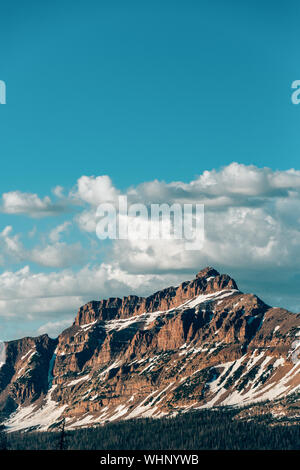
207, 281
207, 272
202, 343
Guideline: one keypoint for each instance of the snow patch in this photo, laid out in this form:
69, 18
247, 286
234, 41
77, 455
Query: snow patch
76, 381
41, 419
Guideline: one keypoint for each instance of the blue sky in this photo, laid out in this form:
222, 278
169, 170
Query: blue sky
138, 91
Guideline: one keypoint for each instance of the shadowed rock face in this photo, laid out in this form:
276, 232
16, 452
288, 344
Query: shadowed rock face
202, 343
24, 376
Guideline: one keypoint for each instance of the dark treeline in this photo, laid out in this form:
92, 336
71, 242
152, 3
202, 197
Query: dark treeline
191, 431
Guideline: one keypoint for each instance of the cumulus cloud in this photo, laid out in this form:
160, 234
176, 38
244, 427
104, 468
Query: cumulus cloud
10, 245
97, 280
55, 254
252, 218
58, 255
233, 185
17, 202
95, 190
92, 191
249, 237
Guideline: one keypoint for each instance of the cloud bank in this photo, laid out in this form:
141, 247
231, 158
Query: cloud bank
252, 220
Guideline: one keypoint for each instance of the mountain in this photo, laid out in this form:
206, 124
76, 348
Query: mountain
201, 344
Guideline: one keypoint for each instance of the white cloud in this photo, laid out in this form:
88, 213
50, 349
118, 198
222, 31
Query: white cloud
89, 281
249, 237
95, 190
55, 233
17, 202
10, 245
58, 191
87, 220
235, 184
252, 219
54, 328
56, 254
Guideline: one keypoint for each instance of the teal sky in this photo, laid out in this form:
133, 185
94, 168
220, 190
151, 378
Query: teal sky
140, 90
143, 91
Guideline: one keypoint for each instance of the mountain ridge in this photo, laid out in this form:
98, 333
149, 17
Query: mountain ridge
201, 344
206, 280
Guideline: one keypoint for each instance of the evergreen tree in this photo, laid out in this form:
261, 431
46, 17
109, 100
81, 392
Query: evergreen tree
3, 438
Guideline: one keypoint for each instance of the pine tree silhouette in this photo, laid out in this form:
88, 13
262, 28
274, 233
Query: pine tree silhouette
62, 436
3, 438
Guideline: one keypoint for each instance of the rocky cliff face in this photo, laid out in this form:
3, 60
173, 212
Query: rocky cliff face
201, 344
207, 281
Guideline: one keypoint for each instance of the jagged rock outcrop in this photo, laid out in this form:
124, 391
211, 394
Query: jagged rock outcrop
200, 344
207, 281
